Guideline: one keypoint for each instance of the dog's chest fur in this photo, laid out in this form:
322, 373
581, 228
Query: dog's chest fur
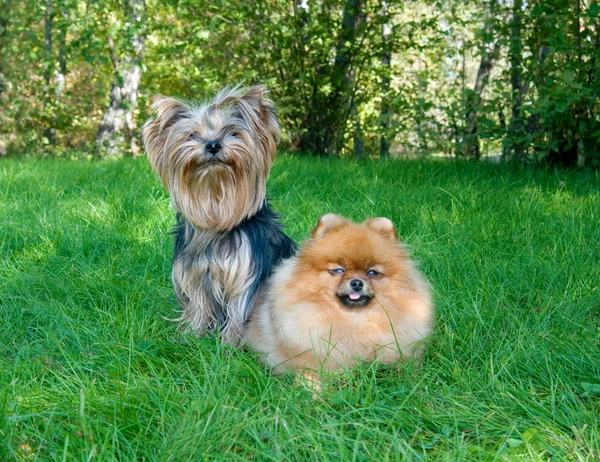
217, 274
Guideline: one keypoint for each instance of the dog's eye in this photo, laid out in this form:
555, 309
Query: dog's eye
234, 134
337, 271
373, 272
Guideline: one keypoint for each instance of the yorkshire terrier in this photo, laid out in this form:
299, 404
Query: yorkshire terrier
214, 160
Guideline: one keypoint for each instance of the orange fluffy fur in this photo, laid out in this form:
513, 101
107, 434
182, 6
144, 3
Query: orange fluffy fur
300, 323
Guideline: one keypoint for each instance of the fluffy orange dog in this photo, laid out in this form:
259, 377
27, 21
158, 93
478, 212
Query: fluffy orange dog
351, 294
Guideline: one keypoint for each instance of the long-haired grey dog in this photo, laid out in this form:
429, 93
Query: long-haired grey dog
214, 159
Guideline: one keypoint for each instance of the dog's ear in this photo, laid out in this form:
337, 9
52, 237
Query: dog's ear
256, 95
253, 106
155, 131
242, 99
383, 226
326, 223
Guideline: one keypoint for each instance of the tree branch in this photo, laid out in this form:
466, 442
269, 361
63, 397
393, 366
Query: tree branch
113, 54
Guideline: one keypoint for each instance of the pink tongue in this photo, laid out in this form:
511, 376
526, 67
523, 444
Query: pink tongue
354, 296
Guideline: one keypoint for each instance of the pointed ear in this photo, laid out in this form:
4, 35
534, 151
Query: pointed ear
383, 226
254, 106
326, 223
255, 94
155, 131
240, 95
268, 115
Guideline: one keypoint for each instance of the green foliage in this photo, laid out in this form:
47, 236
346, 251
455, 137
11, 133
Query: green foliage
559, 120
92, 368
27, 104
331, 82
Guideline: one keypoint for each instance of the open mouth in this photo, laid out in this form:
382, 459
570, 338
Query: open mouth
354, 300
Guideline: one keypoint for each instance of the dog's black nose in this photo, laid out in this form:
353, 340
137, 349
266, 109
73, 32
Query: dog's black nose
213, 147
356, 284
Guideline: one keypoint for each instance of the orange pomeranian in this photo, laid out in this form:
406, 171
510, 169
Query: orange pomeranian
352, 293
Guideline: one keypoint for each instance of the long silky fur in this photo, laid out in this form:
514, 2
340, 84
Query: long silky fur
227, 237
217, 274
214, 197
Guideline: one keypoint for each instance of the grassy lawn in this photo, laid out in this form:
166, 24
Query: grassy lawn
90, 367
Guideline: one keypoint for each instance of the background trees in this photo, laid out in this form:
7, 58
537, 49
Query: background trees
117, 129
351, 77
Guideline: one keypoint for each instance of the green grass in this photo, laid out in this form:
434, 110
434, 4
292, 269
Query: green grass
90, 367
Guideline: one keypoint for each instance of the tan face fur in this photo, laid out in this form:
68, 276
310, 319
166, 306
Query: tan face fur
214, 191
309, 320
351, 265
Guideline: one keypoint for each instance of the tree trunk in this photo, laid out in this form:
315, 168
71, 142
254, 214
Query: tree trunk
486, 65
579, 109
4, 18
344, 77
358, 142
344, 53
49, 131
53, 89
301, 10
420, 116
61, 72
117, 132
386, 62
516, 130
328, 114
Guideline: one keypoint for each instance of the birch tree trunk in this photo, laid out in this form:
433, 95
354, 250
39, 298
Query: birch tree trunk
117, 132
386, 62
61, 72
49, 131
